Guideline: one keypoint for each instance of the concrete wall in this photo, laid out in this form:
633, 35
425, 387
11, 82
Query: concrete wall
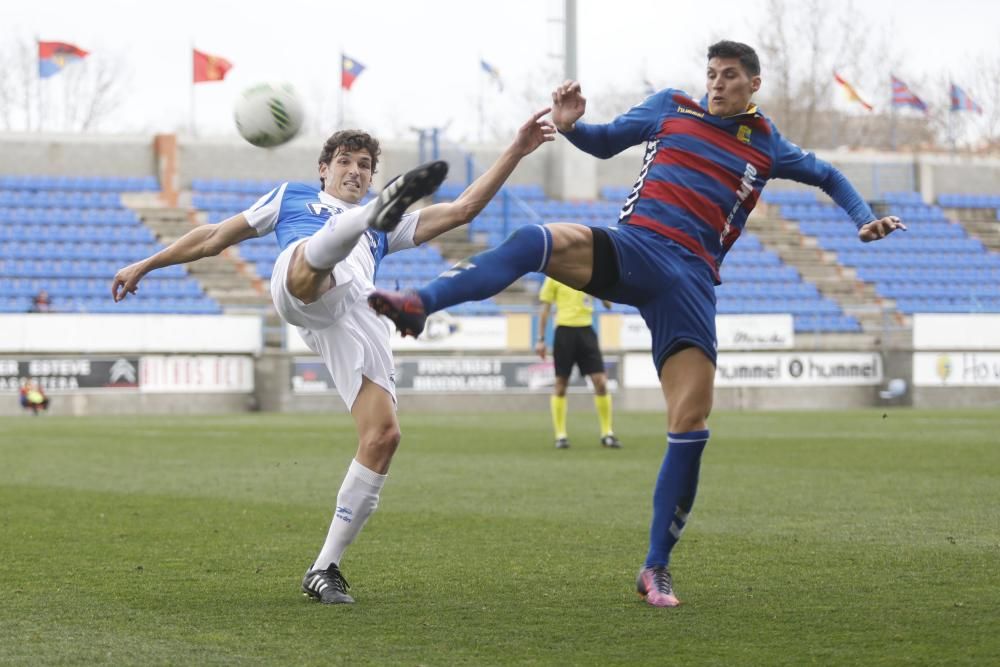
273, 394
960, 397
133, 402
76, 155
562, 171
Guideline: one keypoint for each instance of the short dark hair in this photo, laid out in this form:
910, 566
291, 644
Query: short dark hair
746, 54
349, 140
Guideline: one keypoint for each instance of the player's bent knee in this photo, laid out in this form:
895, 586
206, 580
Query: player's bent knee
688, 416
385, 439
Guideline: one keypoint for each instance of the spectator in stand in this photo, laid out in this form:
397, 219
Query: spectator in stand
41, 303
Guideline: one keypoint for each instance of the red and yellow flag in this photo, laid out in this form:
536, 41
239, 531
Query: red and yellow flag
209, 68
851, 93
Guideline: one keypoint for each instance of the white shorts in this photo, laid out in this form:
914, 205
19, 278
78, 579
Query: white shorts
340, 327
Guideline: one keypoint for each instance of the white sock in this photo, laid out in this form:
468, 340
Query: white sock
356, 501
335, 240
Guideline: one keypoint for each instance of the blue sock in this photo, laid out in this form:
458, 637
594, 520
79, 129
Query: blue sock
674, 495
481, 276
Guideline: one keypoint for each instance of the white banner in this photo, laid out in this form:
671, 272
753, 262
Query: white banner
196, 375
956, 369
767, 369
956, 332
121, 334
734, 332
443, 332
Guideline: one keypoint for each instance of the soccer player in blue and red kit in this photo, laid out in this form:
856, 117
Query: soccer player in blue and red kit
705, 166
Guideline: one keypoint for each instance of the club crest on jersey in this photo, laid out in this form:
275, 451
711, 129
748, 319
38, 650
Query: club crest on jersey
319, 208
743, 134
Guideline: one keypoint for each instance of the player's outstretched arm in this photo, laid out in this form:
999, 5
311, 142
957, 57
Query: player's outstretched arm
879, 229
203, 241
439, 218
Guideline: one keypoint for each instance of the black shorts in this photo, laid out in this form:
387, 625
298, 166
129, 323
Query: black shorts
576, 346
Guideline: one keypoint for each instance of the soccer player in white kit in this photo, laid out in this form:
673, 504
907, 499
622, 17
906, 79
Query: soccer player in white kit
331, 248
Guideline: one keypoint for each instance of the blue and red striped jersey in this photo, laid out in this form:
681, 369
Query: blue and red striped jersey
703, 174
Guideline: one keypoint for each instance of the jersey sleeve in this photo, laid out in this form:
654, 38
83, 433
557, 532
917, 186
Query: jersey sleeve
633, 127
263, 215
797, 164
401, 238
548, 292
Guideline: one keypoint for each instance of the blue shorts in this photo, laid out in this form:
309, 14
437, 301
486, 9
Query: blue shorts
672, 287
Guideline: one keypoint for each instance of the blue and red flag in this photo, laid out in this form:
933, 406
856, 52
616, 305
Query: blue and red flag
902, 96
54, 56
350, 69
960, 101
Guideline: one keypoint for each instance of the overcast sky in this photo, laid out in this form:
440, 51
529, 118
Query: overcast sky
422, 56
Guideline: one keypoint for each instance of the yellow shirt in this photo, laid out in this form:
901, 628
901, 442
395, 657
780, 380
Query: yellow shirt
573, 307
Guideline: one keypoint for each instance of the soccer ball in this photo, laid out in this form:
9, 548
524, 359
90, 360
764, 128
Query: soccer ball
268, 114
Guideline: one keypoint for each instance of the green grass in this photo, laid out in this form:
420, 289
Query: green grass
823, 538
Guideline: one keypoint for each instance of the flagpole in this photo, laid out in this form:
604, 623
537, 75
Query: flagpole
892, 126
482, 120
951, 114
340, 96
191, 110
38, 97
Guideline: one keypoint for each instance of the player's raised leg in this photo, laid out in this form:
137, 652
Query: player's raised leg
687, 379
564, 251
403, 191
378, 432
309, 272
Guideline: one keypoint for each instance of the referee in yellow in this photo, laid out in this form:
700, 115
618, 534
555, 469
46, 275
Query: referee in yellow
575, 344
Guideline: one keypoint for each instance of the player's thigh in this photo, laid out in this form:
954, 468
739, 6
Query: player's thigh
688, 382
572, 259
373, 409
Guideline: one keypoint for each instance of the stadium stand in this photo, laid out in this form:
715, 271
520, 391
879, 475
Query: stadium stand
936, 267
965, 277
755, 279
69, 235
221, 199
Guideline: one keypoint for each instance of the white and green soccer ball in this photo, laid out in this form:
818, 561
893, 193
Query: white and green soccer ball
268, 114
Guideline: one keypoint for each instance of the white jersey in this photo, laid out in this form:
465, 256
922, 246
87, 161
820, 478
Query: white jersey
339, 326
295, 211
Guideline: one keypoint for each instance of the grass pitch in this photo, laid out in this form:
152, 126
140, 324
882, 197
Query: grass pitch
823, 538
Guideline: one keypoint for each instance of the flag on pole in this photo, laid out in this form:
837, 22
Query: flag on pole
493, 73
850, 92
960, 101
350, 69
54, 56
209, 68
902, 96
